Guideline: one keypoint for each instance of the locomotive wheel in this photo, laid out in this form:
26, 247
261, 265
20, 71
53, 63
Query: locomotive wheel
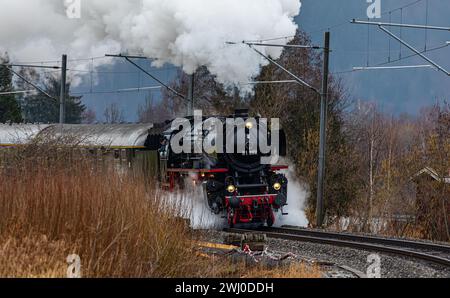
270, 222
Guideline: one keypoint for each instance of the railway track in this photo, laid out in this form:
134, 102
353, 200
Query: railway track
430, 252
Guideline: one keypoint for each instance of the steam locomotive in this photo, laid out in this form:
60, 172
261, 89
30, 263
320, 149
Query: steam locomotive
236, 183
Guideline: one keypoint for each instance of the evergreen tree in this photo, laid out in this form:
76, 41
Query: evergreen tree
9, 106
41, 109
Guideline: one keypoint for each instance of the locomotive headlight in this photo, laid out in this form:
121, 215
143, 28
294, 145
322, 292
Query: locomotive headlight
249, 125
277, 186
231, 188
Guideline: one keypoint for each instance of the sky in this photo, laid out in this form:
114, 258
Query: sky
394, 91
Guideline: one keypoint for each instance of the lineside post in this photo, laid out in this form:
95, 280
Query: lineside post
62, 97
323, 132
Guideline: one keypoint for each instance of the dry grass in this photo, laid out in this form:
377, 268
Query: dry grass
221, 267
295, 270
116, 224
53, 204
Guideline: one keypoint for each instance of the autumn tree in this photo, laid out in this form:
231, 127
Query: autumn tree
298, 108
434, 152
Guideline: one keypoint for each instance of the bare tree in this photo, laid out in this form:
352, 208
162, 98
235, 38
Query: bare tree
366, 132
155, 112
113, 114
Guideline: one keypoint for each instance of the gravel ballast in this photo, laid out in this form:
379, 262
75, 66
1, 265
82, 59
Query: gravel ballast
391, 266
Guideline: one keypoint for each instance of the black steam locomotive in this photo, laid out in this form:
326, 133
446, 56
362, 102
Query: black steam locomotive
237, 184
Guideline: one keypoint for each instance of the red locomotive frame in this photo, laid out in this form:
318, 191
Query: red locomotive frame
248, 203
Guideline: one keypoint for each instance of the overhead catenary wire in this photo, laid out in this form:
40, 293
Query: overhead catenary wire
299, 80
397, 60
368, 46
385, 26
392, 67
401, 25
59, 60
414, 50
135, 89
165, 69
295, 46
426, 23
90, 71
269, 82
31, 83
16, 92
345, 22
31, 66
389, 40
147, 73
401, 31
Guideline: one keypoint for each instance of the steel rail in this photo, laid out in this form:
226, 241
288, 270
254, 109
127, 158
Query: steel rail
362, 238
290, 234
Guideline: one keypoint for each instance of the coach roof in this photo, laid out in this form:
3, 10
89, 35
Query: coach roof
98, 135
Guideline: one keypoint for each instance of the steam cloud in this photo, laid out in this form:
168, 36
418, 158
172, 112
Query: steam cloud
186, 33
297, 196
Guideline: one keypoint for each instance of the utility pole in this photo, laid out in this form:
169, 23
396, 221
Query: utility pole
323, 132
62, 97
190, 108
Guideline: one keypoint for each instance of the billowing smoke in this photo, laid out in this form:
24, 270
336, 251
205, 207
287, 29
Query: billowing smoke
297, 195
192, 205
186, 33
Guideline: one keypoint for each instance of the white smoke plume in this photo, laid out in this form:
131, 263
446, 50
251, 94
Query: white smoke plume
185, 33
297, 195
195, 209
192, 205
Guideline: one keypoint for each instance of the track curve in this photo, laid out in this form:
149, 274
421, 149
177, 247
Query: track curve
392, 246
